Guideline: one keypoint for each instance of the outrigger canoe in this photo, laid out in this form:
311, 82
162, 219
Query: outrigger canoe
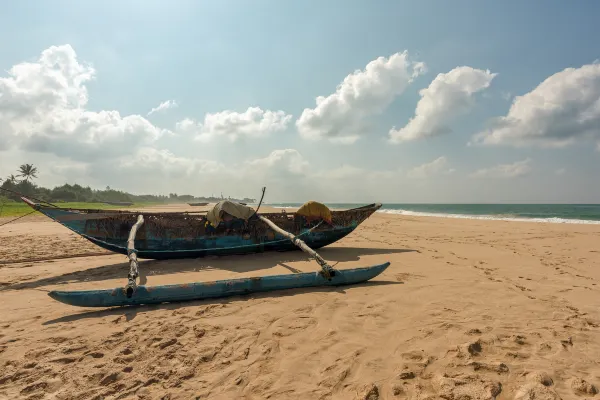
170, 235
185, 234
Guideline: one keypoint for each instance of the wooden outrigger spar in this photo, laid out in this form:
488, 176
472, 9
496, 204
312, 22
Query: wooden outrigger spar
147, 234
216, 289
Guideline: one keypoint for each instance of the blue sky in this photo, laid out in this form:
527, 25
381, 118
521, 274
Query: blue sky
212, 56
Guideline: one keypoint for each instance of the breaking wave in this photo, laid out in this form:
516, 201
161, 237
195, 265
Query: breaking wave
500, 217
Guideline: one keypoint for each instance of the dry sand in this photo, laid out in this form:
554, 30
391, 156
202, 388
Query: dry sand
468, 309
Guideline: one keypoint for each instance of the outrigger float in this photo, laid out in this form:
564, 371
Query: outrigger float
227, 229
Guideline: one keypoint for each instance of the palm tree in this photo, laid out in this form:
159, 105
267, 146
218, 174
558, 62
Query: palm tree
11, 179
28, 171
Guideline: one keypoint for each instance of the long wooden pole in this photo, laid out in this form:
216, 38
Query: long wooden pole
132, 254
328, 270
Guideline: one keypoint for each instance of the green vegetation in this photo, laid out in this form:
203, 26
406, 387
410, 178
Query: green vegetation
11, 208
77, 196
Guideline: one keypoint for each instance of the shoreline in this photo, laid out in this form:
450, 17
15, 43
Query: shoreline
393, 210
508, 215
38, 217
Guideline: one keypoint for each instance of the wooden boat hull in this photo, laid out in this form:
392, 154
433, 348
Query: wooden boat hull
206, 290
188, 235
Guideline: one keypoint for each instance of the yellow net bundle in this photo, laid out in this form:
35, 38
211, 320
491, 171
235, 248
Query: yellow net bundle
315, 210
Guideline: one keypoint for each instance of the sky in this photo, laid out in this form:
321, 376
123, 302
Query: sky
339, 101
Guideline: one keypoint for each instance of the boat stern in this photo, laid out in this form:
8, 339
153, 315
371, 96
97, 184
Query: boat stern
30, 203
353, 217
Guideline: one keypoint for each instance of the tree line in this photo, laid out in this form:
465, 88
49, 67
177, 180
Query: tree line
26, 173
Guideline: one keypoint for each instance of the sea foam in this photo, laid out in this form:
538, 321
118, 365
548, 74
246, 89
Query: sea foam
552, 220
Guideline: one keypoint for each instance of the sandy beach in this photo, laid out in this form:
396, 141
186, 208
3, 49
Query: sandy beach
468, 309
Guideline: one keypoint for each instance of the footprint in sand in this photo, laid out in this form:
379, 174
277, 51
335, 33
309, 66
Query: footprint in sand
540, 377
415, 364
581, 386
534, 390
545, 349
63, 360
93, 354
500, 368
523, 288
58, 339
73, 349
517, 355
34, 387
466, 387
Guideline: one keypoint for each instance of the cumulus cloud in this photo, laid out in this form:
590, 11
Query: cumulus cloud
42, 108
351, 175
254, 122
86, 135
435, 167
71, 170
160, 161
449, 95
514, 170
165, 105
158, 164
286, 160
341, 116
562, 109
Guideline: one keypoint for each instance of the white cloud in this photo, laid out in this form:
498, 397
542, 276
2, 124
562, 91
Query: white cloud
254, 122
448, 96
86, 135
514, 170
560, 171
345, 139
351, 174
286, 161
562, 109
344, 172
164, 161
342, 115
69, 168
155, 164
42, 108
165, 105
435, 167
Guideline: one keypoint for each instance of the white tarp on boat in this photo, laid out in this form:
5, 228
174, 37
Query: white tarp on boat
237, 210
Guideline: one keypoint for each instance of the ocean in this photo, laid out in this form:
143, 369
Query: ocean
550, 213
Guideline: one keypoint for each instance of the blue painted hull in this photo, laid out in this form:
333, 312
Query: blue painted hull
227, 247
216, 289
187, 235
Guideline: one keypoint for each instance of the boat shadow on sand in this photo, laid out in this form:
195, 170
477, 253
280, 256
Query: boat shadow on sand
128, 313
233, 263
